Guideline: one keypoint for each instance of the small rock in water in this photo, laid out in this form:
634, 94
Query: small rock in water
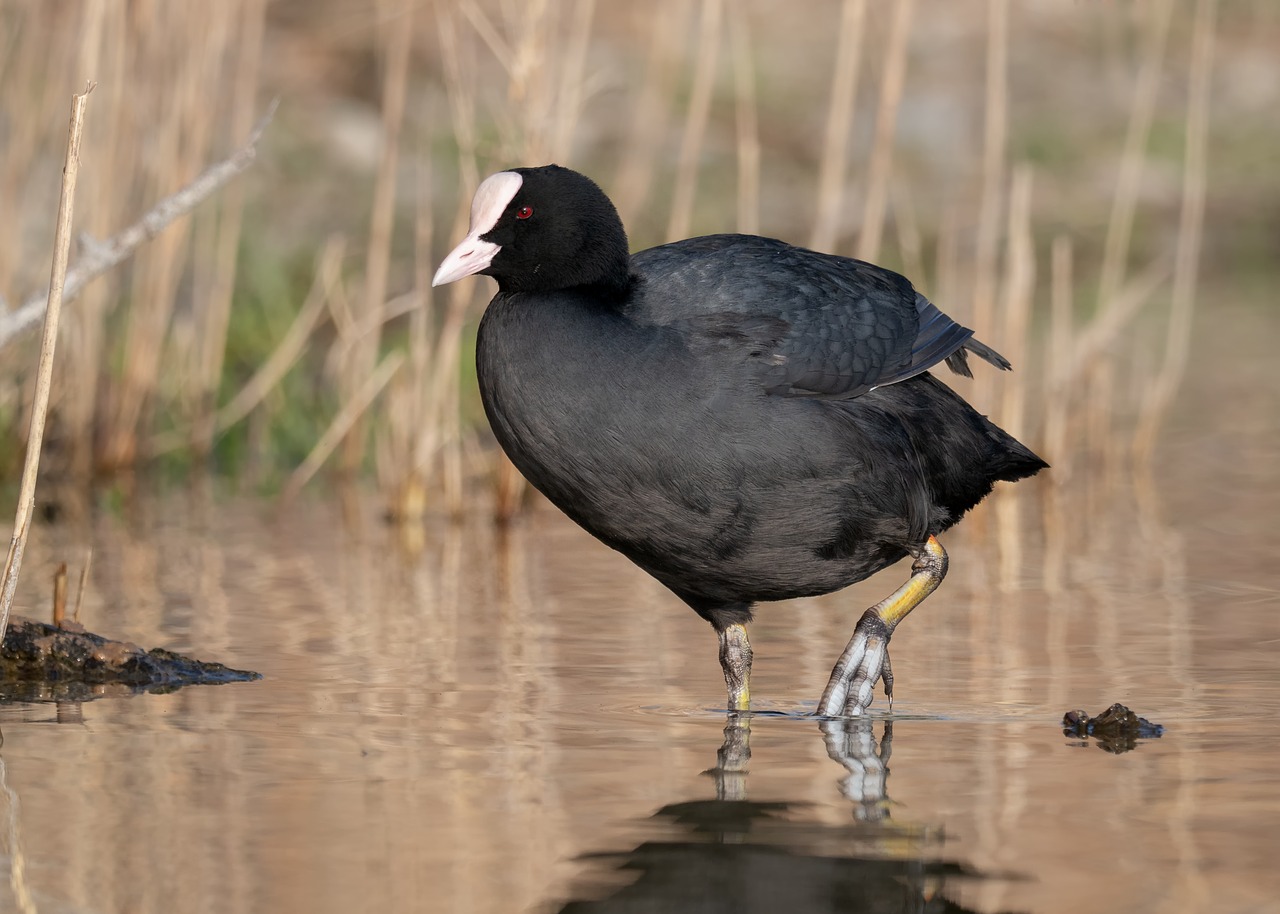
1116, 729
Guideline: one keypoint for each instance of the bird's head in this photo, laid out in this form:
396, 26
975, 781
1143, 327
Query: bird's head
541, 230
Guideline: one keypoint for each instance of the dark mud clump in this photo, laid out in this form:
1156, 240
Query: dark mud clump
1116, 729
39, 660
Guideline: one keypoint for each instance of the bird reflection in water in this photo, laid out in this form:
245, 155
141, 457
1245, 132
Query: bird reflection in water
732, 854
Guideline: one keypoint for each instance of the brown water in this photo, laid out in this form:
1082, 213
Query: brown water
505, 724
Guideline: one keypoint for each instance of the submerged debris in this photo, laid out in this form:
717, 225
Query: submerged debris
66, 660
1116, 729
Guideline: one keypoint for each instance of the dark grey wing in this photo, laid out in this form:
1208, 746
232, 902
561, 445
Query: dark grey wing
810, 324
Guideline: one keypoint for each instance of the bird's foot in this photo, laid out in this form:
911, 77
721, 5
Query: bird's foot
865, 662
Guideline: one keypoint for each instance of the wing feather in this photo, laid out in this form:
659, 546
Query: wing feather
807, 324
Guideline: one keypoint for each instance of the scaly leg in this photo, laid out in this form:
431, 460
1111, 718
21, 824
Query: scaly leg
735, 659
865, 660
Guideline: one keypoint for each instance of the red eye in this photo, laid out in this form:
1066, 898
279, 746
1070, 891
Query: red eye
524, 212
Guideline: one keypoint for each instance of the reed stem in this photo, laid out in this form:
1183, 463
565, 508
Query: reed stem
44, 372
1190, 234
844, 96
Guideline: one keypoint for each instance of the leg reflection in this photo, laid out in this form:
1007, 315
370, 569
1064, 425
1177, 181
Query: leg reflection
731, 855
732, 758
852, 743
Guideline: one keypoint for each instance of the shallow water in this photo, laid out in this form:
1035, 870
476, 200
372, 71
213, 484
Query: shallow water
469, 729
485, 723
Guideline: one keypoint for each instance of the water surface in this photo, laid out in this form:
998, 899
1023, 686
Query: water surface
527, 723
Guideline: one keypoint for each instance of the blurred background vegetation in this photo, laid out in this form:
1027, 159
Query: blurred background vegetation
1067, 177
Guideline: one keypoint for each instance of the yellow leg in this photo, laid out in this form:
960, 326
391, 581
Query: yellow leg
865, 660
735, 660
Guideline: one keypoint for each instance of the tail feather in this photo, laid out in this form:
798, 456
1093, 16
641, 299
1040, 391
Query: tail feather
942, 339
984, 352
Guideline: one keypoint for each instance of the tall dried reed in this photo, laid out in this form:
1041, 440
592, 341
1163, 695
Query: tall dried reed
44, 370
215, 316
1190, 234
844, 93
695, 124
880, 163
397, 25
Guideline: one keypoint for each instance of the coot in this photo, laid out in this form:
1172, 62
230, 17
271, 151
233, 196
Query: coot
743, 419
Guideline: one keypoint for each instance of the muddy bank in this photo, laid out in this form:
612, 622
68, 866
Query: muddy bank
45, 662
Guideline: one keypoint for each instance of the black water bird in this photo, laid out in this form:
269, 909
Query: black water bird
743, 419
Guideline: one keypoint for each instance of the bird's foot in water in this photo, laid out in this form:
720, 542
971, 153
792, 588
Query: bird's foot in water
735, 660
865, 662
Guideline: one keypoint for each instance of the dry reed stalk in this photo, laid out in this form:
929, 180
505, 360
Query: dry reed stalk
695, 125
489, 33
440, 434
995, 134
98, 257
642, 146
59, 594
1105, 328
510, 483
1100, 403
1083, 366
352, 409
1019, 287
29, 57
947, 257
179, 81
44, 371
572, 82
444, 434
910, 244
880, 166
422, 320
352, 330
84, 327
530, 74
1058, 351
217, 311
1056, 450
1133, 159
403, 461
461, 97
446, 388
844, 96
285, 355
1190, 234
746, 122
36, 58
84, 585
364, 354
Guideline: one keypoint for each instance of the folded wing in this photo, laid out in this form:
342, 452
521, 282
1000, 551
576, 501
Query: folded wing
808, 324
